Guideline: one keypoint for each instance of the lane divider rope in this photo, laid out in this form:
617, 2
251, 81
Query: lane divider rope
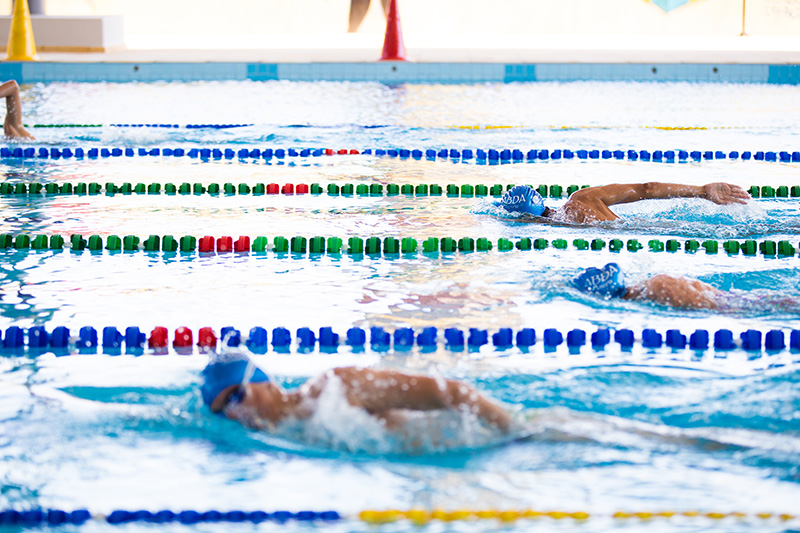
39, 517
373, 126
315, 189
467, 155
600, 127
420, 516
183, 340
168, 126
387, 247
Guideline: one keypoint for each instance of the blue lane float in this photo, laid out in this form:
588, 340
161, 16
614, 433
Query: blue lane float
40, 517
480, 156
167, 126
51, 517
306, 339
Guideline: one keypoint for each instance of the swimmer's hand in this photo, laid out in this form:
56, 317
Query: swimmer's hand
725, 193
16, 131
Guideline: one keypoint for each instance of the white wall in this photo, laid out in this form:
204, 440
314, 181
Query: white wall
437, 17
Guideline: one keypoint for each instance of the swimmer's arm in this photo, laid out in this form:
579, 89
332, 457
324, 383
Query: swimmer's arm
719, 193
12, 126
681, 293
9, 88
379, 391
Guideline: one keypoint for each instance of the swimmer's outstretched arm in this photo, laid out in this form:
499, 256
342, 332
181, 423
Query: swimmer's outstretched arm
592, 204
12, 126
681, 293
719, 193
379, 391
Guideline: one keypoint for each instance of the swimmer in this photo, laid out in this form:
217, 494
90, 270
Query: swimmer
678, 292
12, 127
235, 387
589, 205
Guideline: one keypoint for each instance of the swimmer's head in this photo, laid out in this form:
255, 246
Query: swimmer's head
228, 369
608, 282
523, 199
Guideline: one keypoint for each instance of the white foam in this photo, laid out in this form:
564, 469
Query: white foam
337, 425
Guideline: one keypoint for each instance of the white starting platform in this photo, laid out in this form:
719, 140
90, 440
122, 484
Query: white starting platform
72, 34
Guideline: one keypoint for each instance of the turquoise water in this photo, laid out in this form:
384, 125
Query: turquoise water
639, 430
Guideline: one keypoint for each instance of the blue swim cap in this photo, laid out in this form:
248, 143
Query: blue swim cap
607, 281
226, 370
522, 199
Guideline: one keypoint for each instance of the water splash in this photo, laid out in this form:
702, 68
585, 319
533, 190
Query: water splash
337, 425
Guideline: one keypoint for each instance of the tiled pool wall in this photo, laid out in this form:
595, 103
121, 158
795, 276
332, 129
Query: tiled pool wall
399, 72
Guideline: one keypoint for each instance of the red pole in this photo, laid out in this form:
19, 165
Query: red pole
393, 47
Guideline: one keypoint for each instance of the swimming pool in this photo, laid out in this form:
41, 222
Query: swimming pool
614, 430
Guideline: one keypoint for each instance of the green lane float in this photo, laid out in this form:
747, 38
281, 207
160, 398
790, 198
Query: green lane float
386, 246
258, 189
331, 189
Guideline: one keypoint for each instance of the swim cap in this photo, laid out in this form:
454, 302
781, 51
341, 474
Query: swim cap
607, 281
226, 370
522, 199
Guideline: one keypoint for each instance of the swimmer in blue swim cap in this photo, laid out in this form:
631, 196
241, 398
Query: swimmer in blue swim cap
234, 386
589, 205
227, 369
523, 199
609, 282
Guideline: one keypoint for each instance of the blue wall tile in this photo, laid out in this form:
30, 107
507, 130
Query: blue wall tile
262, 71
520, 73
784, 74
397, 72
11, 71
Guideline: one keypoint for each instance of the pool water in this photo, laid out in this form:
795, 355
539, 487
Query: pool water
600, 431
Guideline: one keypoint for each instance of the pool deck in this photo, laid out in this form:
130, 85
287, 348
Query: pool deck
557, 48
442, 59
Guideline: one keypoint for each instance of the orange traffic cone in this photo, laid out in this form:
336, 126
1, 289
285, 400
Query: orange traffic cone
21, 46
393, 47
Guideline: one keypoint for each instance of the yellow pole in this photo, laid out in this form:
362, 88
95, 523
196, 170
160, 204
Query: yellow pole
744, 5
21, 45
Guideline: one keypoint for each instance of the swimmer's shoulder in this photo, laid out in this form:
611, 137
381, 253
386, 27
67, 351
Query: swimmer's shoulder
585, 208
575, 212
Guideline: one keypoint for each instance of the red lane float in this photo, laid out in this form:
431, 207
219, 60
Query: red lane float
206, 338
206, 244
158, 338
183, 338
224, 244
242, 244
